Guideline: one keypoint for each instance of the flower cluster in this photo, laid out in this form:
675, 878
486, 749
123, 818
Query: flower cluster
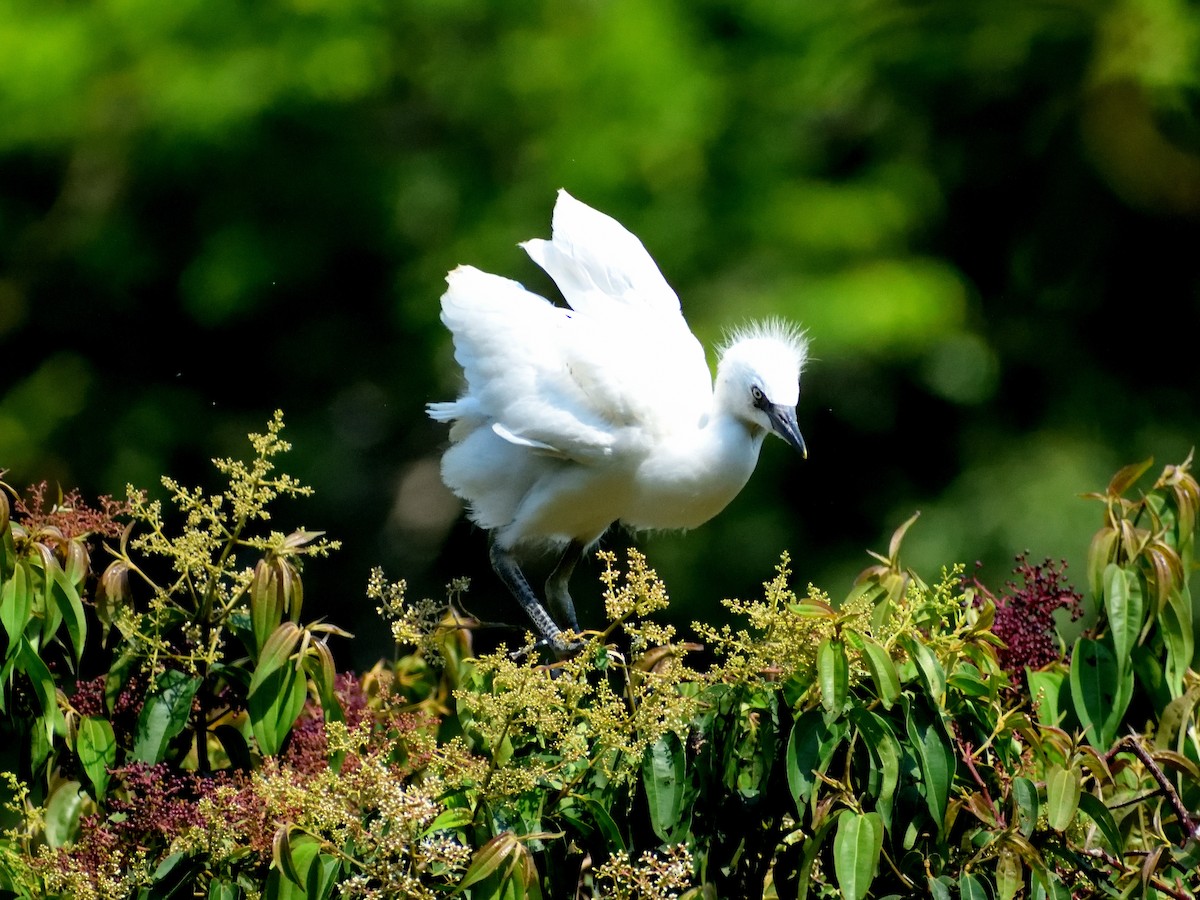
1025, 613
653, 877
780, 640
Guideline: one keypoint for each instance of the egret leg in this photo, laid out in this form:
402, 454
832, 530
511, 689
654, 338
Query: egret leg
512, 576
557, 585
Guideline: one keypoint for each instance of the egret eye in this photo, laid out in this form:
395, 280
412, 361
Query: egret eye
757, 395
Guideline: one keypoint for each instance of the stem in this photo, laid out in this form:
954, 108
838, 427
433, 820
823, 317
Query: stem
1191, 825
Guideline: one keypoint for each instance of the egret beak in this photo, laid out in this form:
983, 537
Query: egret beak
784, 424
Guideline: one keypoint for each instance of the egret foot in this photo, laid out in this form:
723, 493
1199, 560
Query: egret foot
556, 585
514, 579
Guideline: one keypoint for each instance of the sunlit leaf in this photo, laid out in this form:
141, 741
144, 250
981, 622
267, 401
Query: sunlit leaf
1127, 477
1010, 874
809, 750
884, 750
164, 715
1093, 807
833, 674
1097, 690
1124, 607
883, 671
938, 764
664, 777
96, 746
1025, 799
856, 847
16, 605
1063, 788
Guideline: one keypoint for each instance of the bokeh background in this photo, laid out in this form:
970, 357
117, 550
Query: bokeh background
986, 214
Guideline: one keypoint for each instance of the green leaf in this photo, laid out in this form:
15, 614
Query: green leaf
222, 890
449, 820
883, 671
489, 859
1099, 691
16, 606
1063, 787
856, 848
64, 596
1178, 637
833, 674
164, 715
664, 773
294, 854
97, 748
275, 704
277, 690
936, 759
1045, 689
1025, 798
811, 848
1010, 874
971, 888
884, 750
810, 748
1127, 477
613, 838
62, 814
933, 676
322, 877
1093, 807
43, 687
1124, 606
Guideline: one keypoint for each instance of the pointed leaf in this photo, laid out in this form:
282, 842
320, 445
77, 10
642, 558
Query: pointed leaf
833, 674
883, 671
16, 605
1127, 477
856, 848
1010, 874
665, 778
971, 888
1093, 807
933, 676
1097, 691
936, 759
885, 754
1063, 788
1025, 799
164, 715
96, 746
43, 687
1124, 607
810, 748
489, 858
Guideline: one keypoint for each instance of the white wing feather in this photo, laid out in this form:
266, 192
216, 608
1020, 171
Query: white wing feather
631, 350
570, 382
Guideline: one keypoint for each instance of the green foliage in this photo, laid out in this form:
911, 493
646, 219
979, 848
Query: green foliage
874, 747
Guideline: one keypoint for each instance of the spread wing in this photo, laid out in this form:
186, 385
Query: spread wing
631, 350
510, 344
573, 382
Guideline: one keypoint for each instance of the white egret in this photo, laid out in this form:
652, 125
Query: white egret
573, 419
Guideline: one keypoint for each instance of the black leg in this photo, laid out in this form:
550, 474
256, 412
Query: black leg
510, 573
557, 592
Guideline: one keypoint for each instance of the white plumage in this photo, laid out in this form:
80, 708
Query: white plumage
573, 419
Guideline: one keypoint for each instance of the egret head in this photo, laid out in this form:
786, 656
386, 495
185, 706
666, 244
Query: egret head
758, 378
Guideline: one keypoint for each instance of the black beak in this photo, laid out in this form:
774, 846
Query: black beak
784, 424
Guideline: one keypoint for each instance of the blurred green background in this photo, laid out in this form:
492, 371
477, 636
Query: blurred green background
986, 214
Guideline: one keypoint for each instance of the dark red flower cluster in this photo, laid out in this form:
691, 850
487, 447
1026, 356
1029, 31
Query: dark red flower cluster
70, 514
1025, 613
